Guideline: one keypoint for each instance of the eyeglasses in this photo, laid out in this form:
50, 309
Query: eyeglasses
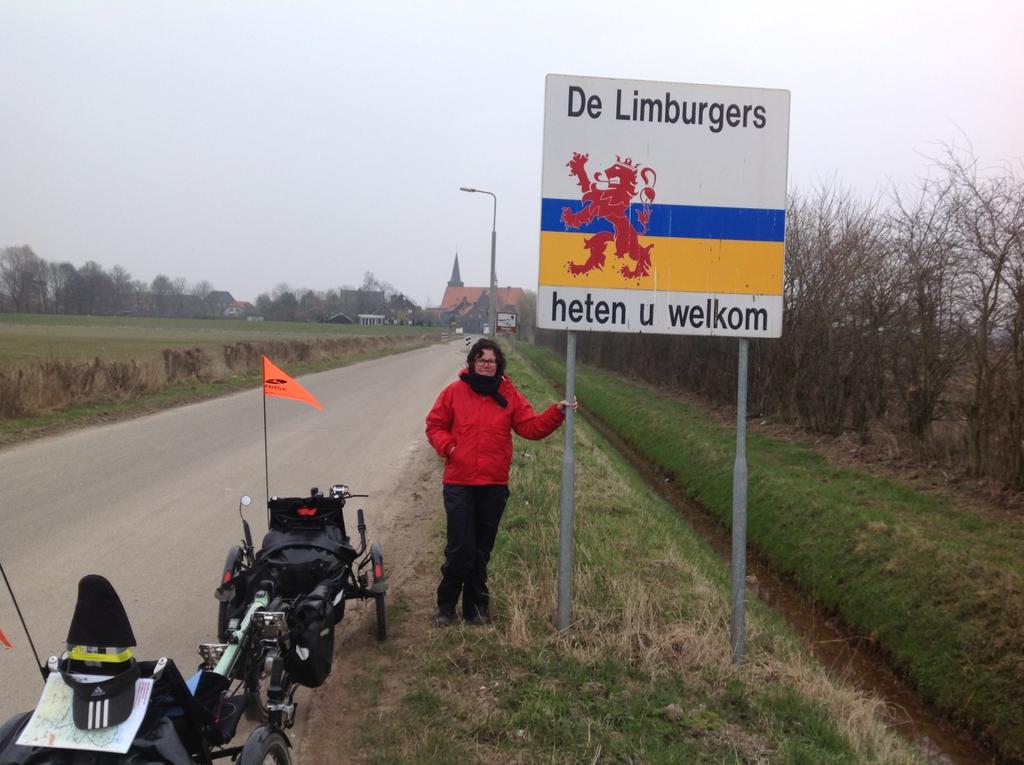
487, 362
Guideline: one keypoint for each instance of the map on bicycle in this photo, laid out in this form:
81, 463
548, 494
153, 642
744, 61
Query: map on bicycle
52, 725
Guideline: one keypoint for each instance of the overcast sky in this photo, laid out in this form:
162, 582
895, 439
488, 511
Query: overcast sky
254, 143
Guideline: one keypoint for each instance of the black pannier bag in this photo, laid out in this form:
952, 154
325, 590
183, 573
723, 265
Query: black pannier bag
305, 547
312, 621
305, 544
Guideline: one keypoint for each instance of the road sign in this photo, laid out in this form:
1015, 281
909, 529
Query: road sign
663, 207
506, 322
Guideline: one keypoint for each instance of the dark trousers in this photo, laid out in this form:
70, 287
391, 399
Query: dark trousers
474, 513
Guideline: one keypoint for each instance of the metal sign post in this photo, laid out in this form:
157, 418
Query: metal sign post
567, 502
739, 513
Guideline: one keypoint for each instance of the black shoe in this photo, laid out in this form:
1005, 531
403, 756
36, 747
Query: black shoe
479, 619
444, 619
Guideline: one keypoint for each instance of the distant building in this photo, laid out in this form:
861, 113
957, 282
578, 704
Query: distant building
217, 302
469, 307
402, 310
355, 302
237, 309
396, 309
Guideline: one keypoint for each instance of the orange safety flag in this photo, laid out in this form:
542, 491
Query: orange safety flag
5, 641
277, 383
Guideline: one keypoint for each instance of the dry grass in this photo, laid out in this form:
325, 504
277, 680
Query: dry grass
646, 596
34, 388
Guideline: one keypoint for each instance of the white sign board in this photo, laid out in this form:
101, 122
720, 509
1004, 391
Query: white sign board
663, 207
506, 321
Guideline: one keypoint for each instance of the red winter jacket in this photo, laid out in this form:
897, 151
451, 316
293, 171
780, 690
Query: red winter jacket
474, 432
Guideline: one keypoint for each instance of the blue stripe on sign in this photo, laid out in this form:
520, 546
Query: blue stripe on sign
681, 221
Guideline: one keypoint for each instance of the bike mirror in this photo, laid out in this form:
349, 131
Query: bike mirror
245, 501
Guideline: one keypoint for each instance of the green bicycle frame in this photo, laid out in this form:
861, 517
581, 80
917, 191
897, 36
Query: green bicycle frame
227, 661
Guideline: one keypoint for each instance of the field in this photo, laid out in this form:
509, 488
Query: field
28, 337
63, 371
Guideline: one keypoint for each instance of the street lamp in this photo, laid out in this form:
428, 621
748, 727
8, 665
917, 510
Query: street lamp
494, 237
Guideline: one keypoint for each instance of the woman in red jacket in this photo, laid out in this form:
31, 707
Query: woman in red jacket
470, 426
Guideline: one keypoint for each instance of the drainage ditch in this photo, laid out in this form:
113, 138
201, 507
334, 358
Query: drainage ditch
847, 655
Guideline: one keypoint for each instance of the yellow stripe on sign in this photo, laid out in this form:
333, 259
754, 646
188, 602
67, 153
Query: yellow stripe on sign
677, 265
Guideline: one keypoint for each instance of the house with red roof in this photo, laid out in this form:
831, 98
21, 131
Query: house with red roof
470, 307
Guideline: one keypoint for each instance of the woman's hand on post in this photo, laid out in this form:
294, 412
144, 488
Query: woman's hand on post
563, 404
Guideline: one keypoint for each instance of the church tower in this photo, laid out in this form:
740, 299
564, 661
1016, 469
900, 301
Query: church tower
456, 280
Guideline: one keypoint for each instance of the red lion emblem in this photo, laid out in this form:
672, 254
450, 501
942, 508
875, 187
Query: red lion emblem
611, 201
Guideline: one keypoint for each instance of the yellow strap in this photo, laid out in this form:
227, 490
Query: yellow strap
81, 653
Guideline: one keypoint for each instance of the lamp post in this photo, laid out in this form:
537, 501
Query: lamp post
494, 238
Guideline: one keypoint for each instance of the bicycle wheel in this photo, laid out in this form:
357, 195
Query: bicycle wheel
256, 679
379, 581
256, 685
265, 747
382, 616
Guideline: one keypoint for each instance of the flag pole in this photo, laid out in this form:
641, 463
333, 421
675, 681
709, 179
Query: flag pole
266, 461
24, 626
276, 382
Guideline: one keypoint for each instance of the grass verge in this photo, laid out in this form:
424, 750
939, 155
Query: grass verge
643, 675
941, 591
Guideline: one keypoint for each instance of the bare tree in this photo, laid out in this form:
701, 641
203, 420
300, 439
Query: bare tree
930, 337
371, 282
991, 220
97, 289
123, 291
23, 278
65, 287
284, 304
987, 224
198, 292
162, 289
201, 289
834, 307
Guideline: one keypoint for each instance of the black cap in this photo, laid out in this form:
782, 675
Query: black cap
104, 703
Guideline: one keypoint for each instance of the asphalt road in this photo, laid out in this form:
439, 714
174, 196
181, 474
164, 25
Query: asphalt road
151, 503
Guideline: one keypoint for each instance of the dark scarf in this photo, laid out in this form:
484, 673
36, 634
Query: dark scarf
485, 386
